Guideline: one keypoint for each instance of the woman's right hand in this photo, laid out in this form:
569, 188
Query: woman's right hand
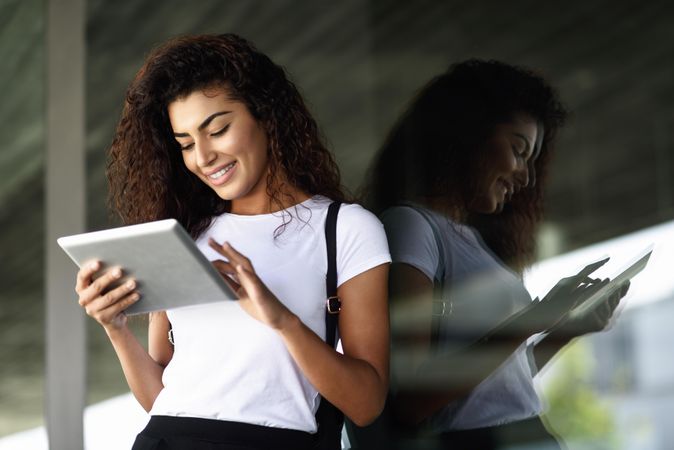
105, 306
563, 297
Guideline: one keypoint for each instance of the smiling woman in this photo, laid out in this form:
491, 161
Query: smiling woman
214, 135
458, 184
224, 146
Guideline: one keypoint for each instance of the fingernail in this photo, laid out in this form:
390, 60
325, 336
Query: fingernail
135, 296
94, 265
130, 284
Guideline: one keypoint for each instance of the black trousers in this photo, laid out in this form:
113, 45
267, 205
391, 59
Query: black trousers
189, 433
525, 434
528, 434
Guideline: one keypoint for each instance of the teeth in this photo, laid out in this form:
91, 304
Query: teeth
221, 172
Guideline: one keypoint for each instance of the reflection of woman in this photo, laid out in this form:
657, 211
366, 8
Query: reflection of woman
459, 186
214, 135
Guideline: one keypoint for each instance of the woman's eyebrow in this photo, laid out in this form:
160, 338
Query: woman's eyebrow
205, 123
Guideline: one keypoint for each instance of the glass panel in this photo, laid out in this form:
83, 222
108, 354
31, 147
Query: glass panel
22, 127
358, 64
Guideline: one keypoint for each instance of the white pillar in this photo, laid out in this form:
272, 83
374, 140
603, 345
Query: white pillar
65, 214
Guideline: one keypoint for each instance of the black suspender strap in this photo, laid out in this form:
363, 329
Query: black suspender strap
333, 304
329, 418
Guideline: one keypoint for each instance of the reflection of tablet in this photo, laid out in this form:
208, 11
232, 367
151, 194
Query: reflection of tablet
169, 268
638, 264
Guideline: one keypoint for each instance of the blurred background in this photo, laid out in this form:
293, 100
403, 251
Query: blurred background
358, 63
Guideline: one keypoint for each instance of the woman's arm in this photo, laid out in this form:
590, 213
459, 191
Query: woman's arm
143, 374
433, 381
429, 382
356, 382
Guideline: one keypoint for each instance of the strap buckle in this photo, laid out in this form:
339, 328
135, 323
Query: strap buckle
442, 308
170, 337
333, 304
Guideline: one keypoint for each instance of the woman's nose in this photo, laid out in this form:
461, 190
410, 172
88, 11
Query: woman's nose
205, 154
522, 176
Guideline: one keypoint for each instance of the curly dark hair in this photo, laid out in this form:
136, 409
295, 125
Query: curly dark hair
146, 173
434, 152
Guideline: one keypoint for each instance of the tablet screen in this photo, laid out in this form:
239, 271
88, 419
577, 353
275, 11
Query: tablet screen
638, 264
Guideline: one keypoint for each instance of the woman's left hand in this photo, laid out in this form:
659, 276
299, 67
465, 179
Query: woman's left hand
254, 297
595, 319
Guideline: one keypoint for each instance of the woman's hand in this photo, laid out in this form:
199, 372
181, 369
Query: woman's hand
105, 305
254, 297
576, 325
595, 319
553, 309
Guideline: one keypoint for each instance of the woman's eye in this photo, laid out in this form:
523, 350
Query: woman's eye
221, 131
186, 146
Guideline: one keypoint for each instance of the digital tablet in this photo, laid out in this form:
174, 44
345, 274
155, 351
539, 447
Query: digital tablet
169, 269
627, 273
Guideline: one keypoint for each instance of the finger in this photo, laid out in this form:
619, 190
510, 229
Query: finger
592, 267
102, 282
99, 285
589, 281
237, 258
224, 267
598, 284
224, 249
111, 297
232, 283
616, 296
624, 288
228, 273
614, 301
249, 280
592, 289
216, 246
85, 273
108, 314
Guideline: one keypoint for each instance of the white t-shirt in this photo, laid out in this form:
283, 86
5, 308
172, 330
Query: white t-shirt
482, 292
227, 365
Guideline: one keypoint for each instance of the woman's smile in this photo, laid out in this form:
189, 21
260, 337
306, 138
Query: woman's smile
221, 176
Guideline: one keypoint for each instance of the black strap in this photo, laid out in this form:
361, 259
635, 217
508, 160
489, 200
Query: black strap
332, 304
329, 418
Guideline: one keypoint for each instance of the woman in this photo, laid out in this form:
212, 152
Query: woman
214, 135
459, 187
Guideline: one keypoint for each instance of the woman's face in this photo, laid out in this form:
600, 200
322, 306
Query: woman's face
504, 169
223, 145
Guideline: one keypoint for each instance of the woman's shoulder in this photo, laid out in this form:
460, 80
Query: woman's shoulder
354, 219
417, 217
350, 214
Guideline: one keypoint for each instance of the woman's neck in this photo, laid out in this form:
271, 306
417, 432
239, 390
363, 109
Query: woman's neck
442, 206
287, 196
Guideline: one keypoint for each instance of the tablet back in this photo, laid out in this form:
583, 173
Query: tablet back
169, 269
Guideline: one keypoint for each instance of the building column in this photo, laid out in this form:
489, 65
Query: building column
65, 214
